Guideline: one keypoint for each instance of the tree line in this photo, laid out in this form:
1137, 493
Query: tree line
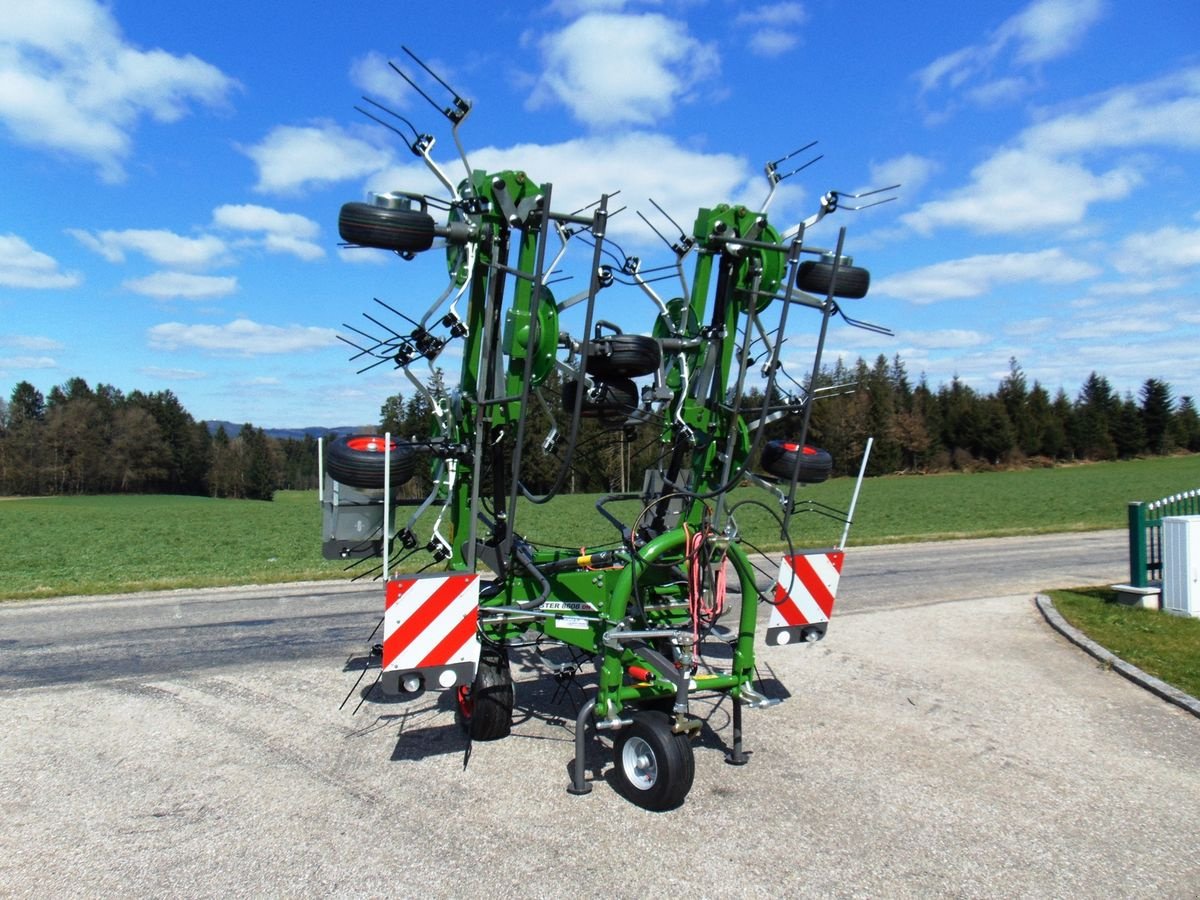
79, 439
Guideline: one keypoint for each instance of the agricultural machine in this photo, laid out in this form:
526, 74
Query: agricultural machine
645, 608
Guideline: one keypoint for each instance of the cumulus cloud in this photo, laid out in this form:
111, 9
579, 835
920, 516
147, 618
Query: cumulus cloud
1045, 177
172, 375
942, 339
242, 337
21, 266
974, 276
291, 157
634, 80
772, 28
1164, 112
27, 362
642, 166
1018, 189
374, 75
166, 248
182, 285
29, 342
998, 68
71, 83
279, 232
909, 171
1168, 247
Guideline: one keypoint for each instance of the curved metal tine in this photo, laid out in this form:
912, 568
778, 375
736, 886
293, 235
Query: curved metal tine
371, 318
685, 243
388, 125
392, 309
362, 351
870, 193
459, 101
865, 326
375, 346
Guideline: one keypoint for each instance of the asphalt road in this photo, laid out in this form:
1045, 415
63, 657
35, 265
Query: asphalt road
941, 741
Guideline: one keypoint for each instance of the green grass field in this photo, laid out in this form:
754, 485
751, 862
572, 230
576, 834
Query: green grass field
1162, 645
90, 545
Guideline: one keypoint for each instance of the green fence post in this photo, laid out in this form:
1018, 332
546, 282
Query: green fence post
1137, 544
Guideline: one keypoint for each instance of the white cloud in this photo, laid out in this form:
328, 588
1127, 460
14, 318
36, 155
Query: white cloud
69, 82
379, 81
1169, 247
1043, 31
1018, 189
29, 342
291, 158
941, 339
364, 256
978, 275
1049, 29
172, 374
636, 79
641, 166
27, 362
1110, 327
1164, 112
282, 232
23, 267
166, 248
241, 336
909, 171
572, 8
182, 285
772, 27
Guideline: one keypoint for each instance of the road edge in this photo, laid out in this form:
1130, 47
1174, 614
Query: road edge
1154, 685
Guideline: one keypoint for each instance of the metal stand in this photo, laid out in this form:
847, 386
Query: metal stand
579, 785
737, 756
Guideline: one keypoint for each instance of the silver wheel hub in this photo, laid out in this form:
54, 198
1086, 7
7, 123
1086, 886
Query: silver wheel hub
639, 763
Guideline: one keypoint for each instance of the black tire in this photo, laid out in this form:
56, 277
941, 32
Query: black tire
853, 282
357, 460
402, 230
653, 767
618, 400
485, 708
779, 459
624, 356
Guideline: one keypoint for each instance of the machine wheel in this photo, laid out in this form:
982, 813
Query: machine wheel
779, 459
654, 767
816, 277
485, 708
402, 230
357, 460
618, 400
624, 356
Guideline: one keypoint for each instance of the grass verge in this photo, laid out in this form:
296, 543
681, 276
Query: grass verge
1160, 644
108, 544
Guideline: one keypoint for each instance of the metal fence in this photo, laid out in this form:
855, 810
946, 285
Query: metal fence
1145, 533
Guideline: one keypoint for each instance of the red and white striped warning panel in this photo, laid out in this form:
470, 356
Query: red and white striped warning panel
429, 631
804, 595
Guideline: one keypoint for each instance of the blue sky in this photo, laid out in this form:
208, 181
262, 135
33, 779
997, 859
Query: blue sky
173, 174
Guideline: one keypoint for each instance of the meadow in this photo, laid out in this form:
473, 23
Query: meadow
107, 544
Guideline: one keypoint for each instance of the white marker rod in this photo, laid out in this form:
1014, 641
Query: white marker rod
862, 470
387, 498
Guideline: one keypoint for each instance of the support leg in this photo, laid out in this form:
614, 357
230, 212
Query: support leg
579, 785
737, 756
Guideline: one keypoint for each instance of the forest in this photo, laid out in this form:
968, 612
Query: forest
78, 439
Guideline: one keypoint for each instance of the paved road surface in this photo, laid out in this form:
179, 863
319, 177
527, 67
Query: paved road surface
941, 741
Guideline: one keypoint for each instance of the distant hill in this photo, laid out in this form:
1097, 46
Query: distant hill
233, 429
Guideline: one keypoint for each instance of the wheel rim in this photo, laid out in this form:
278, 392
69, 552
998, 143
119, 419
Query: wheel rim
369, 444
466, 703
640, 763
